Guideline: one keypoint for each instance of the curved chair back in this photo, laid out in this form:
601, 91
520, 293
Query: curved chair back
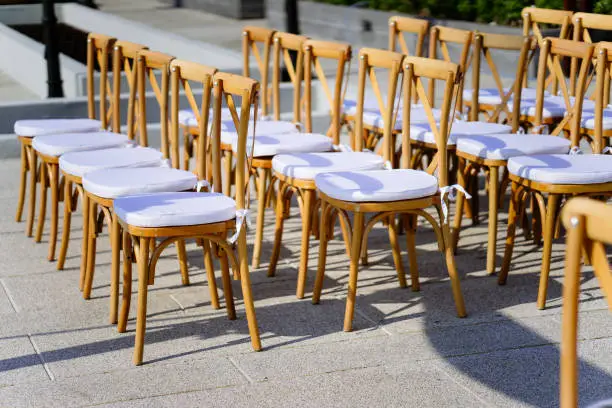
285, 45
399, 26
99, 50
258, 41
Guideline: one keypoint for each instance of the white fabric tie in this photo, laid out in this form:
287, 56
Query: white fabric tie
166, 163
451, 192
545, 129
388, 165
265, 118
300, 126
343, 147
202, 184
606, 150
131, 144
520, 131
575, 150
242, 217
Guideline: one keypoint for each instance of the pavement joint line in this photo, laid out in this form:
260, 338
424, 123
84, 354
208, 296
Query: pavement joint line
177, 302
463, 386
244, 374
9, 296
41, 358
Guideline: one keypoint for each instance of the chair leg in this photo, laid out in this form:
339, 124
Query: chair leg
91, 249
308, 196
493, 207
247, 295
354, 270
115, 233
68, 208
126, 295
261, 212
141, 314
323, 240
182, 258
278, 231
54, 186
549, 231
452, 271
22, 182
32, 189
461, 180
84, 240
411, 225
511, 232
43, 202
474, 205
346, 234
227, 287
397, 253
210, 275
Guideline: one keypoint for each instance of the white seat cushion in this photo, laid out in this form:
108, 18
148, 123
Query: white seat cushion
372, 116
174, 209
79, 163
588, 119
503, 147
422, 133
491, 96
113, 183
271, 145
187, 118
56, 145
262, 127
377, 185
306, 166
554, 107
563, 169
39, 127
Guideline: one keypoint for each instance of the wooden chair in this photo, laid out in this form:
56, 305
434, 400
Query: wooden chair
296, 172
49, 148
74, 165
588, 224
560, 176
492, 152
173, 217
383, 194
399, 26
98, 51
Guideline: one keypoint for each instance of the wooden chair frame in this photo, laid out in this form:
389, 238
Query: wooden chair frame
144, 240
549, 207
305, 189
99, 48
588, 224
97, 210
414, 69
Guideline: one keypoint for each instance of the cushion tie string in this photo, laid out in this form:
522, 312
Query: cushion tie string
201, 185
166, 163
575, 150
242, 218
131, 144
342, 147
520, 131
606, 150
543, 127
300, 126
450, 191
388, 165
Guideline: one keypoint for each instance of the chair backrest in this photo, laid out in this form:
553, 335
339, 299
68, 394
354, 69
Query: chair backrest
99, 51
552, 52
400, 25
226, 88
154, 69
125, 55
441, 37
603, 76
484, 43
313, 52
369, 60
589, 226
182, 75
258, 41
415, 70
284, 45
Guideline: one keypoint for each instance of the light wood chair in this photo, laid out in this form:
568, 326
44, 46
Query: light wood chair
399, 26
173, 217
383, 194
73, 165
560, 176
589, 230
296, 172
99, 48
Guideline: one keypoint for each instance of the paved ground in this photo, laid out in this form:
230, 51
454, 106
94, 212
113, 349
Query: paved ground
408, 348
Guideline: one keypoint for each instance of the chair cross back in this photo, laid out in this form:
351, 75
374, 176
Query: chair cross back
603, 76
182, 75
552, 51
416, 69
99, 50
151, 64
341, 53
589, 223
369, 60
441, 37
400, 25
258, 41
284, 45
125, 54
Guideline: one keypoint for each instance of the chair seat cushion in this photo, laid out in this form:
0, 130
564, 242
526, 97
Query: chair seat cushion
79, 163
306, 166
503, 147
554, 107
491, 96
56, 145
377, 185
174, 209
113, 183
39, 127
187, 118
262, 127
588, 119
372, 116
563, 169
422, 133
271, 145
